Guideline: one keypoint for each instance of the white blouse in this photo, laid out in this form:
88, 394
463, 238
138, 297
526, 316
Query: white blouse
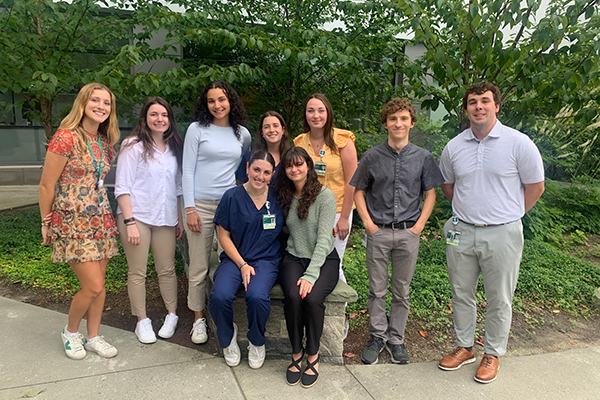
153, 185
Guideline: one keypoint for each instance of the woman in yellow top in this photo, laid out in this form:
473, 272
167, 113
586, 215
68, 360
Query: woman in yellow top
334, 155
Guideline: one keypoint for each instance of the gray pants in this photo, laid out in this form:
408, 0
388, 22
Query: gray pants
403, 246
495, 253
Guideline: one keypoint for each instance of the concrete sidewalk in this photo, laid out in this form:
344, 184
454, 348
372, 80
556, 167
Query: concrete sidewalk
18, 196
32, 360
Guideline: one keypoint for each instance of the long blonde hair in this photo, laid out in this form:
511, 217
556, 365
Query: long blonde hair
109, 129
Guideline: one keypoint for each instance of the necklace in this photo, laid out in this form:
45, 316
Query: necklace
255, 196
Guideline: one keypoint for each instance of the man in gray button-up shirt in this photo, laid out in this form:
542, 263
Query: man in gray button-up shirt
396, 176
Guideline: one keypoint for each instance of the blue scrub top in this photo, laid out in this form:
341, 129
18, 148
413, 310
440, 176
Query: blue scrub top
241, 175
237, 214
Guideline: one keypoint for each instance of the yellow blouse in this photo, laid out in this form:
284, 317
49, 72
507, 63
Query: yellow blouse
334, 177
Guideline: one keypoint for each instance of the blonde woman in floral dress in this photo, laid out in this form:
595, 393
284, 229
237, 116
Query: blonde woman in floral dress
77, 220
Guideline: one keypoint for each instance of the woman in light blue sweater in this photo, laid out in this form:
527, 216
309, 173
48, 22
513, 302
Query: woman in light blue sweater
212, 151
309, 270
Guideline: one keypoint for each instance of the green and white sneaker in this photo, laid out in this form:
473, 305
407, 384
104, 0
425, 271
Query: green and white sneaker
73, 345
100, 346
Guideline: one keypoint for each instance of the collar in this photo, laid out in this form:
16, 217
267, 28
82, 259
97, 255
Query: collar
392, 150
495, 132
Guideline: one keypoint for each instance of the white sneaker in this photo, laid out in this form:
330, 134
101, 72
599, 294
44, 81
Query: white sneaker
198, 332
232, 353
256, 356
144, 331
168, 329
101, 346
73, 345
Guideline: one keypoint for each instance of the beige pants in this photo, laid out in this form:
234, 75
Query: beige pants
200, 245
161, 239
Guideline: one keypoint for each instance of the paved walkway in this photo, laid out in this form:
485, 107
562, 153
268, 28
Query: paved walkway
18, 196
33, 364
32, 360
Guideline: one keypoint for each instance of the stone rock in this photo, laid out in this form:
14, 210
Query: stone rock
597, 298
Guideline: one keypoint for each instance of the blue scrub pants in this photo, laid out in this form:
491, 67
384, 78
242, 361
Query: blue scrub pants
227, 283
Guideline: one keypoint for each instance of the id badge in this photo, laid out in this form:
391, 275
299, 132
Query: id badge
269, 221
320, 168
453, 237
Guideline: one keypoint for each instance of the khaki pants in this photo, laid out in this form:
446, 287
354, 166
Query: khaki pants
161, 239
200, 245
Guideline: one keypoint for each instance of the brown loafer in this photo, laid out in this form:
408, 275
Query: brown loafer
457, 359
488, 369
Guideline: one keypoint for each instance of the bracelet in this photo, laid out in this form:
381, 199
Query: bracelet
242, 264
128, 220
190, 212
45, 223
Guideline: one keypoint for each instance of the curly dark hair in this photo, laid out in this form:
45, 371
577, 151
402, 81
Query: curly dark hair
142, 133
285, 187
330, 119
237, 113
259, 141
397, 104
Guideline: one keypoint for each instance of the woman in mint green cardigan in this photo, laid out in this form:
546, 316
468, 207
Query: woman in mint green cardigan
309, 270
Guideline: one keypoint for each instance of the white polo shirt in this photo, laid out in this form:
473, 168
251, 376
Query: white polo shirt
488, 175
153, 184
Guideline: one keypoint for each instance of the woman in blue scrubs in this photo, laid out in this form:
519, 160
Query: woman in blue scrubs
249, 221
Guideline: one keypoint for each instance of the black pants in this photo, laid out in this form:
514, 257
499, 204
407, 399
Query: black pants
307, 313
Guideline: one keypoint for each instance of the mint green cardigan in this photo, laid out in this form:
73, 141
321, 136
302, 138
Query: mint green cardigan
312, 237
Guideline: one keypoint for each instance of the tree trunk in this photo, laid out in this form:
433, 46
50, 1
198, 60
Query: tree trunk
46, 107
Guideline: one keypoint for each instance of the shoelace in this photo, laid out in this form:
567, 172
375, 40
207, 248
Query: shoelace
101, 344
488, 361
77, 342
458, 350
374, 345
198, 326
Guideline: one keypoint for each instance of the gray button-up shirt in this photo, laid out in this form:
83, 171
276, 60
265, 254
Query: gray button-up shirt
394, 182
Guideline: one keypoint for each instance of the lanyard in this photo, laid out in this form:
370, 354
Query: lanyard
98, 170
268, 205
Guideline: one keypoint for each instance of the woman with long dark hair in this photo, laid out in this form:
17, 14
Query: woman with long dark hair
76, 217
213, 148
148, 190
309, 270
334, 155
272, 136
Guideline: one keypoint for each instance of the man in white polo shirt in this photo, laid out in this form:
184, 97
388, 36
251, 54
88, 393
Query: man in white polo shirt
493, 175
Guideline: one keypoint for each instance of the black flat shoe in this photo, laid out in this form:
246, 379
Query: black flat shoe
293, 377
309, 381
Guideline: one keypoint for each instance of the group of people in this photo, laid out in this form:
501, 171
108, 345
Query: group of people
288, 225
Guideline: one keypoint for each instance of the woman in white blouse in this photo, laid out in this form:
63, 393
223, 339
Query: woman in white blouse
148, 190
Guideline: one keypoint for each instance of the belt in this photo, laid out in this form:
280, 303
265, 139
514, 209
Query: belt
484, 225
399, 225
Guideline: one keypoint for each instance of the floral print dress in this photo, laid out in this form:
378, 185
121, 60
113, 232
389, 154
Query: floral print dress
83, 227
